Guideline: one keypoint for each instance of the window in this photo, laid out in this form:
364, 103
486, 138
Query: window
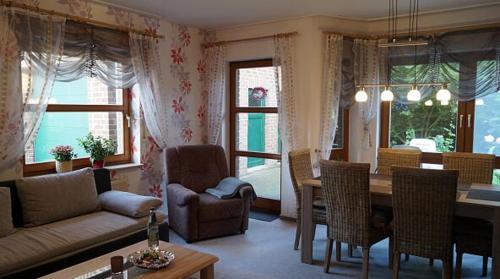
340, 148
425, 124
472, 126
75, 109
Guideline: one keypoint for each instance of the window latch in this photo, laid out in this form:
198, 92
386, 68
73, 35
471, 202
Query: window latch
128, 120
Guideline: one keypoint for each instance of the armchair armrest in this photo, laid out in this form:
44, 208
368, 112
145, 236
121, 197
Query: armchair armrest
181, 195
128, 204
246, 192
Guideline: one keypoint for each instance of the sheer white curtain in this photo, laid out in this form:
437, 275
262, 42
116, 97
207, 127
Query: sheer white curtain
30, 48
330, 93
369, 67
284, 63
146, 63
215, 84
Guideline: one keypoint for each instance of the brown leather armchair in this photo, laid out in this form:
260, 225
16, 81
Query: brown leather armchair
197, 215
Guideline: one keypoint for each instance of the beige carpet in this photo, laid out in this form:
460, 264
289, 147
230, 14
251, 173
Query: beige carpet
266, 251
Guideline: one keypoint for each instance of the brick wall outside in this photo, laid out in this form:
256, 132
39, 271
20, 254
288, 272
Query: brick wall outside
251, 78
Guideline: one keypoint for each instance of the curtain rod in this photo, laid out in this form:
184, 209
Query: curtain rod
9, 3
207, 45
429, 32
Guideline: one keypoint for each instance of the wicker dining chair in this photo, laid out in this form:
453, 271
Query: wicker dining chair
301, 169
400, 157
349, 216
472, 236
423, 203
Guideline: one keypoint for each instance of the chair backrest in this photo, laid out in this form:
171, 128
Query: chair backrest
400, 157
299, 162
346, 190
472, 167
196, 167
423, 202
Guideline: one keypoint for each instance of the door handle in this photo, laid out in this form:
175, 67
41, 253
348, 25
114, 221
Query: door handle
469, 116
461, 120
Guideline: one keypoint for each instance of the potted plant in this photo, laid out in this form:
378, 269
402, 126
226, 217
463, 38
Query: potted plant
99, 148
63, 154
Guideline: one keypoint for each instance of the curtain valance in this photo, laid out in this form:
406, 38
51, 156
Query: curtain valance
468, 60
96, 52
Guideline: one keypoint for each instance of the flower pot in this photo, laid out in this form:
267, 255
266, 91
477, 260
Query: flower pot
64, 166
98, 164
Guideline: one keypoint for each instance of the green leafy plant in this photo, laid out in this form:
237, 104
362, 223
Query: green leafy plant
98, 147
63, 153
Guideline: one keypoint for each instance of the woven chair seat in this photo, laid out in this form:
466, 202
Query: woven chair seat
319, 216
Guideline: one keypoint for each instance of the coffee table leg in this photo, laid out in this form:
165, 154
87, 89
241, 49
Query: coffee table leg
307, 226
495, 269
207, 272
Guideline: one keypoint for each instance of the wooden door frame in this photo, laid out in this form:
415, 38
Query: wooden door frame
262, 204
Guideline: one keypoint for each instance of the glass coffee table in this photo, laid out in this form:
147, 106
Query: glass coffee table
186, 263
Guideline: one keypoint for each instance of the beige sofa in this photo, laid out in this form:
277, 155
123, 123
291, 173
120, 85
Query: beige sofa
59, 220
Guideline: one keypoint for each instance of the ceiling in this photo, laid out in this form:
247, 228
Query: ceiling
226, 13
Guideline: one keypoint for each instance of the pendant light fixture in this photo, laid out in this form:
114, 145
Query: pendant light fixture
411, 40
443, 94
387, 95
361, 96
414, 95
428, 103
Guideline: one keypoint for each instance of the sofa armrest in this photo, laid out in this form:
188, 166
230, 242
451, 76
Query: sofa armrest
182, 195
128, 204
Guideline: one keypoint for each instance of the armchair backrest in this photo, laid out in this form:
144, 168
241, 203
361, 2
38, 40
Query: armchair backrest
197, 167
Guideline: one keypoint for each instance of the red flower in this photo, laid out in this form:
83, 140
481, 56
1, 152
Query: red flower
133, 147
187, 134
152, 31
177, 105
152, 144
202, 110
201, 68
176, 55
186, 86
113, 174
156, 191
185, 38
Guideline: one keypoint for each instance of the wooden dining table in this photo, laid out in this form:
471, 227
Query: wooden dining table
486, 207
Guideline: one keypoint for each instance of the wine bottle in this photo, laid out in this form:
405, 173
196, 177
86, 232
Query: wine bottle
153, 231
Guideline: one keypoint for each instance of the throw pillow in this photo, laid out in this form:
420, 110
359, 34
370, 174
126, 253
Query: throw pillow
54, 197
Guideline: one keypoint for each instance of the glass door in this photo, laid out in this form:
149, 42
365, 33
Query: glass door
255, 146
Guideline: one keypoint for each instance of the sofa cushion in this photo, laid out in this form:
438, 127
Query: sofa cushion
212, 208
6, 226
42, 244
128, 204
54, 197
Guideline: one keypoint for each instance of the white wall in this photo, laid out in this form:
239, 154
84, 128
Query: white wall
309, 70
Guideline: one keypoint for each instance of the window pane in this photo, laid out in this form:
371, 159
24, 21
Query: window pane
257, 132
425, 124
263, 174
487, 122
64, 128
339, 132
256, 87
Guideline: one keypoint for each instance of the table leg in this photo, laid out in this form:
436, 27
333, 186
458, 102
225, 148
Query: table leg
306, 247
495, 268
207, 272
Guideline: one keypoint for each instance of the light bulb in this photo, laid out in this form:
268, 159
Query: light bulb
413, 95
445, 103
428, 103
443, 94
361, 96
387, 95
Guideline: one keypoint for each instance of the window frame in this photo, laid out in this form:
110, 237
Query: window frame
78, 163
464, 126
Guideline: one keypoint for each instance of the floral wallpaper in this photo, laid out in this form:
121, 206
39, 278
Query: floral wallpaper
182, 75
